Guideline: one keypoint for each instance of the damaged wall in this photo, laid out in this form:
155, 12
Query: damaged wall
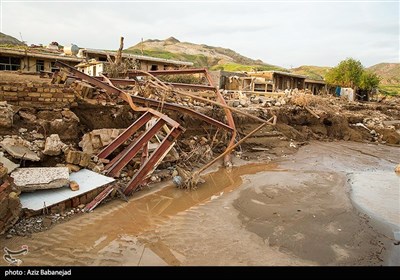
10, 206
37, 94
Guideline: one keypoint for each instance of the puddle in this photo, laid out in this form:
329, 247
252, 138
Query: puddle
104, 237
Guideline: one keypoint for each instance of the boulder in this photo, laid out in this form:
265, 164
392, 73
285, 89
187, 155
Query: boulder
53, 145
94, 141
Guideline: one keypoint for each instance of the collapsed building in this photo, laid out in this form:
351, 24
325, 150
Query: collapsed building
85, 135
90, 61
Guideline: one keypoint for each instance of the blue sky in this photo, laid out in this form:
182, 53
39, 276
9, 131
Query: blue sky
287, 34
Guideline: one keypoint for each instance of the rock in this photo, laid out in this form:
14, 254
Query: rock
243, 103
36, 178
94, 141
74, 186
255, 100
397, 169
11, 166
235, 103
3, 171
37, 135
53, 145
277, 103
6, 115
73, 157
22, 130
17, 149
85, 160
27, 116
73, 168
8, 236
69, 115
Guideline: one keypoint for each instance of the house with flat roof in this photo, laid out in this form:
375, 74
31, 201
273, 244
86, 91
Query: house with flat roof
29, 59
142, 62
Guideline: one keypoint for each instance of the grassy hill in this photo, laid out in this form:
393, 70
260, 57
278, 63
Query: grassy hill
215, 58
313, 72
9, 40
389, 72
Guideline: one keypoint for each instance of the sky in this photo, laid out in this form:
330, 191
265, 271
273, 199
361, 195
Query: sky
288, 34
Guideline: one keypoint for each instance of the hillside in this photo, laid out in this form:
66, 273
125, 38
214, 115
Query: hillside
201, 55
313, 72
9, 40
389, 72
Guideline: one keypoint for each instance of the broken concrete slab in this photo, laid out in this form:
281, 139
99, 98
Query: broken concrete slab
97, 139
11, 166
17, 150
86, 179
53, 145
38, 178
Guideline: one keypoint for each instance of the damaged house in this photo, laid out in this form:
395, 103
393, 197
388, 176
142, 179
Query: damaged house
33, 60
94, 61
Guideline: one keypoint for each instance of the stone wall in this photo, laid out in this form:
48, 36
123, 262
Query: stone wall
10, 206
39, 95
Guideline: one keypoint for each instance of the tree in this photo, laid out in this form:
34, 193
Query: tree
351, 73
369, 80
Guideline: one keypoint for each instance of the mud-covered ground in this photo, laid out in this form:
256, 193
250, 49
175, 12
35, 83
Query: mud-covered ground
296, 210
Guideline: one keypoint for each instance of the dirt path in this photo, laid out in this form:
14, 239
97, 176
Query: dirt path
298, 212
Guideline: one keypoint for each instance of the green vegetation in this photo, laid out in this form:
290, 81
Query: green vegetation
312, 72
391, 90
351, 73
233, 67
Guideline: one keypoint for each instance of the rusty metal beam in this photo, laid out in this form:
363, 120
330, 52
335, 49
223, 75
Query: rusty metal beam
125, 135
145, 101
129, 153
88, 78
130, 82
152, 160
179, 108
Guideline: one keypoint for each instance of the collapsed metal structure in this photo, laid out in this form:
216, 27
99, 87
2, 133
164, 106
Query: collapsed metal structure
153, 123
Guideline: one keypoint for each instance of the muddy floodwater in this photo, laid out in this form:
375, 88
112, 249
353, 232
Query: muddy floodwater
331, 203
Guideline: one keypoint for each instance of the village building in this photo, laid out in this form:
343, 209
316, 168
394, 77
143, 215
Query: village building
33, 60
95, 61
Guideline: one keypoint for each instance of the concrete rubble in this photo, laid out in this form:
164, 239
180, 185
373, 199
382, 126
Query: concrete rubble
6, 115
53, 145
11, 166
97, 139
18, 148
40, 178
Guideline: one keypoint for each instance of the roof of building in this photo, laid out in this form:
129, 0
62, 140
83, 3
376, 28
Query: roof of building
139, 57
289, 74
262, 73
39, 53
311, 81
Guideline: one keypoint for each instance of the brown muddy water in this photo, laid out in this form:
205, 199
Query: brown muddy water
310, 208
